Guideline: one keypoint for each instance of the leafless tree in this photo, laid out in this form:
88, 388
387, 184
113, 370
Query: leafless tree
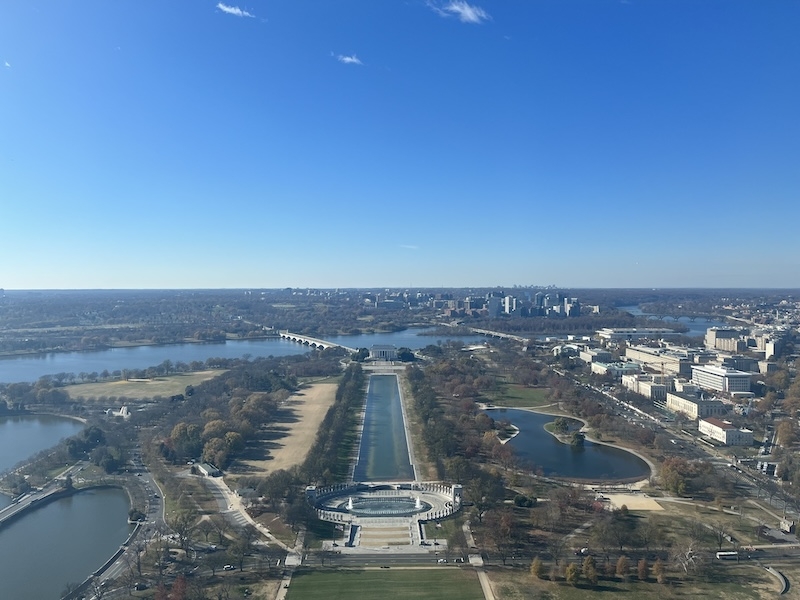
555, 547
98, 588
720, 532
686, 555
648, 533
205, 526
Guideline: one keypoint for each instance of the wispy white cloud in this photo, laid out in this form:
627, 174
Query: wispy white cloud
349, 60
464, 11
409, 247
6, 64
233, 10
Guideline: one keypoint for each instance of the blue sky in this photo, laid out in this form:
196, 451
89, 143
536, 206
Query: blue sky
363, 143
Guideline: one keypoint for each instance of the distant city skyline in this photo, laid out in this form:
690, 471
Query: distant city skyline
432, 143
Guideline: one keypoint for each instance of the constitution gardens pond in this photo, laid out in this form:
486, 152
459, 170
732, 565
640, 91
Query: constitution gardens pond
542, 452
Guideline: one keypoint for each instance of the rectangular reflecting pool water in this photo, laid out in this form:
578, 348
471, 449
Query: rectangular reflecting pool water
383, 454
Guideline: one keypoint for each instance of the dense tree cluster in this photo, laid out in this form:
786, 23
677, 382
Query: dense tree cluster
332, 448
219, 417
681, 476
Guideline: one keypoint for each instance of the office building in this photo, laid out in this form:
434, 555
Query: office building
721, 379
725, 432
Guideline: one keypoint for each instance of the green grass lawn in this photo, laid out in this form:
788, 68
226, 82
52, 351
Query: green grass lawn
158, 386
435, 583
518, 396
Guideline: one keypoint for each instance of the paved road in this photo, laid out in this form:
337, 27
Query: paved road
231, 506
56, 485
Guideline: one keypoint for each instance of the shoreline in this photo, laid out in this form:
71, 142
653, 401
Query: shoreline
38, 413
121, 345
53, 496
67, 493
13, 354
584, 429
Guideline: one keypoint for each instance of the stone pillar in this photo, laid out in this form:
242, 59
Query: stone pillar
457, 494
311, 495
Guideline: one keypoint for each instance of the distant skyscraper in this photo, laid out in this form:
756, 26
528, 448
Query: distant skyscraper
494, 305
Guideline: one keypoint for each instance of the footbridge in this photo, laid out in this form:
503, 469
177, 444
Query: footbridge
312, 342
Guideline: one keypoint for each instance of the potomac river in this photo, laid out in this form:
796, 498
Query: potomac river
31, 368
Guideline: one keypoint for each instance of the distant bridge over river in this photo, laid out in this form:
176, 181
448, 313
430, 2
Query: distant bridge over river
312, 342
490, 333
500, 334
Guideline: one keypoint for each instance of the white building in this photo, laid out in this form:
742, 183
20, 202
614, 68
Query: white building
649, 386
208, 470
628, 334
725, 432
590, 355
721, 379
661, 359
694, 407
728, 339
383, 352
616, 370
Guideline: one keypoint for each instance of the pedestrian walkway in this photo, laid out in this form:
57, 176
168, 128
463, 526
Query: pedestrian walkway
238, 514
476, 561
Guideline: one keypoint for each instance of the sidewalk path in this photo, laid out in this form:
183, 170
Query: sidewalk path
476, 560
238, 512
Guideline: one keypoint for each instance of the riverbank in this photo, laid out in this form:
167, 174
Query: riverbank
22, 353
37, 410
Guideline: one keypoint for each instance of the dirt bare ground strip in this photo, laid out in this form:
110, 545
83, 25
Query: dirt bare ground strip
287, 442
633, 501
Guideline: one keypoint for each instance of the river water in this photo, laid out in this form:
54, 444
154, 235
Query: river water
31, 368
537, 449
67, 540
697, 328
61, 542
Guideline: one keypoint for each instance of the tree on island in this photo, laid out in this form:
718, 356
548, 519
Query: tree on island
577, 439
561, 425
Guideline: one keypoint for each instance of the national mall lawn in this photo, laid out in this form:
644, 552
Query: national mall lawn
439, 583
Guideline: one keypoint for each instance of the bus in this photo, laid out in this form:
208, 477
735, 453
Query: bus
728, 555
